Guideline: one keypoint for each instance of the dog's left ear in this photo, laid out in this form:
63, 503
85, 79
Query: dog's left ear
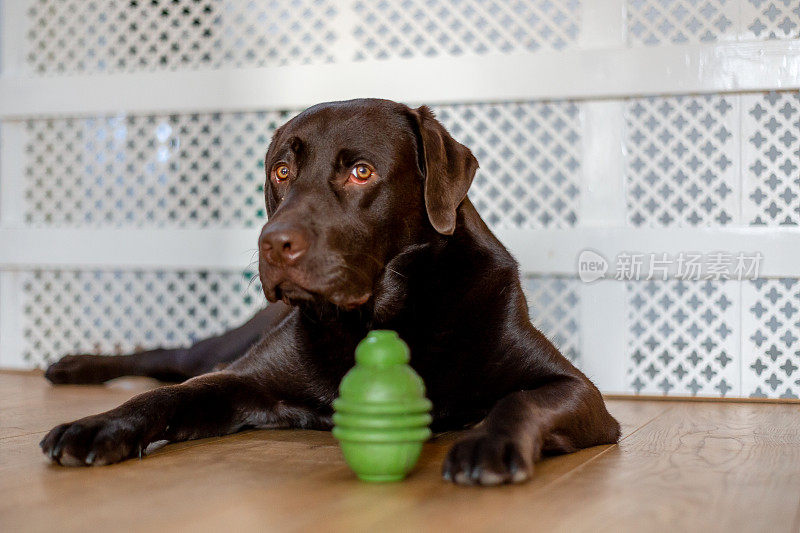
449, 168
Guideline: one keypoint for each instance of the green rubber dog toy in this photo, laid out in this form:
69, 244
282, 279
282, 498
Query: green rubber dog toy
381, 416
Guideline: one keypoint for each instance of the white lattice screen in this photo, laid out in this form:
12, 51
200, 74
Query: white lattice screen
121, 311
92, 36
133, 135
148, 170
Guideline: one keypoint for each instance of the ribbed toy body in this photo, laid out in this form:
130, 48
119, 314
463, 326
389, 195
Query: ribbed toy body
381, 416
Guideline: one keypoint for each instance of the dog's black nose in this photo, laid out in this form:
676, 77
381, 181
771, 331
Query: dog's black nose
283, 245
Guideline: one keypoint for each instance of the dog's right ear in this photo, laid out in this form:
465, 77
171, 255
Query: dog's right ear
449, 168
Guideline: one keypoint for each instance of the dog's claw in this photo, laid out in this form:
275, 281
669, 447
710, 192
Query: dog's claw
447, 471
55, 453
90, 457
485, 459
475, 474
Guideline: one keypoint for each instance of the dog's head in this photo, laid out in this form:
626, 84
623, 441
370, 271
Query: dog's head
349, 186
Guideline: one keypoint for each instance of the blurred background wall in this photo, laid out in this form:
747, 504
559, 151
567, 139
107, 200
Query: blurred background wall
133, 136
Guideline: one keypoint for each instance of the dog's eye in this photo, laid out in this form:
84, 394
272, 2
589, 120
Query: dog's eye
281, 171
361, 173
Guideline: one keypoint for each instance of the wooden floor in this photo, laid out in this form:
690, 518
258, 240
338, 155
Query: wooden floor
681, 466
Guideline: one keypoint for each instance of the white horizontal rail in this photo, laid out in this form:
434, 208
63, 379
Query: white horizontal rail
538, 251
596, 73
127, 248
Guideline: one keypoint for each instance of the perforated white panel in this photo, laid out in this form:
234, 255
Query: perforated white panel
121, 311
426, 28
76, 36
91, 36
529, 155
652, 22
176, 170
554, 308
682, 161
770, 19
771, 158
771, 335
683, 337
655, 22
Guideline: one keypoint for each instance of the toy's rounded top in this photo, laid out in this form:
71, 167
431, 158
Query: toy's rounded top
382, 382
382, 348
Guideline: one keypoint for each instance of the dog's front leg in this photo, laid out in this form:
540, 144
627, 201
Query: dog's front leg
561, 416
209, 405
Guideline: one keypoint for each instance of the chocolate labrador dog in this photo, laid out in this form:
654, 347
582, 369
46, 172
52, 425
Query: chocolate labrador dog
369, 227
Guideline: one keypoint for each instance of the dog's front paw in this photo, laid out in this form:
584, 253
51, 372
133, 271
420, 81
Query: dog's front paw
82, 369
486, 459
95, 440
